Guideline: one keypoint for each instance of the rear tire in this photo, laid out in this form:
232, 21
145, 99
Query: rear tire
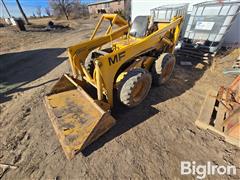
135, 87
162, 68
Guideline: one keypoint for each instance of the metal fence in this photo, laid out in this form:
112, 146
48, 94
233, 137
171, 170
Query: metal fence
167, 12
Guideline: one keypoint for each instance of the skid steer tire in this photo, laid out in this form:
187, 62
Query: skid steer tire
162, 68
135, 87
89, 64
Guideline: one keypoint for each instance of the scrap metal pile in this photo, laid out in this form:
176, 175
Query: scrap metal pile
220, 112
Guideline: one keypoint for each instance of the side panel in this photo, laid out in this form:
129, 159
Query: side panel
112, 62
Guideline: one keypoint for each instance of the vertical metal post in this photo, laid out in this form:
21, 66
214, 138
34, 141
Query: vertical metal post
99, 81
22, 12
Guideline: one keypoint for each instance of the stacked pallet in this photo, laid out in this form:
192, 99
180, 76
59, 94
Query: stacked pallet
220, 112
192, 51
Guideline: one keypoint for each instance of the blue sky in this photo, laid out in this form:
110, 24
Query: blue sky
29, 6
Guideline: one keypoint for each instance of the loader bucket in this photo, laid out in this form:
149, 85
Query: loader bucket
77, 118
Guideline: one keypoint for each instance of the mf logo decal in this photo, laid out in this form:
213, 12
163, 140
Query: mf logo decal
116, 58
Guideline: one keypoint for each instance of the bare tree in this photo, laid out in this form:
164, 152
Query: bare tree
39, 11
63, 7
22, 12
47, 11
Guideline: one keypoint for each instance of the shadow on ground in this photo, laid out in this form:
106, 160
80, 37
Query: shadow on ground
20, 68
183, 79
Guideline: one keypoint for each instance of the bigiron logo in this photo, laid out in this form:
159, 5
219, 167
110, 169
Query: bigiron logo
116, 58
202, 171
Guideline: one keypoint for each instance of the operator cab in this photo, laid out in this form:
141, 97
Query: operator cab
142, 26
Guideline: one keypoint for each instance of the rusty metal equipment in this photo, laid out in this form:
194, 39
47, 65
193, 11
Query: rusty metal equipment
220, 112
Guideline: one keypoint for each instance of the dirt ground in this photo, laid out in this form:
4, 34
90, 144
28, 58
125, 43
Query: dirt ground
148, 142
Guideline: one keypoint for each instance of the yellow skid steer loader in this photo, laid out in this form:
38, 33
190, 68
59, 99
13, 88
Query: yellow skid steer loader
126, 60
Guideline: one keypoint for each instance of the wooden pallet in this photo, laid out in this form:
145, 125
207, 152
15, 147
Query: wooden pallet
213, 117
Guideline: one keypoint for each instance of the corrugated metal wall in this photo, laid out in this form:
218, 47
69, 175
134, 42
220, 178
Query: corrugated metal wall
142, 7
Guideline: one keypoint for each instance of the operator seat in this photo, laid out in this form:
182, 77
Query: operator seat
140, 26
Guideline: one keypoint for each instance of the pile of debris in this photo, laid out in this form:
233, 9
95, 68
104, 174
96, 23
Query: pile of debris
1, 24
235, 67
220, 112
53, 27
17, 22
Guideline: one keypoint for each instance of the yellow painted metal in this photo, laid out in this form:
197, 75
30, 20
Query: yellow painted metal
168, 41
130, 51
177, 32
121, 76
98, 81
96, 28
87, 117
86, 73
114, 18
78, 53
127, 48
77, 119
148, 62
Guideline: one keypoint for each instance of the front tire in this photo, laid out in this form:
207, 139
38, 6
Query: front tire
89, 63
135, 87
